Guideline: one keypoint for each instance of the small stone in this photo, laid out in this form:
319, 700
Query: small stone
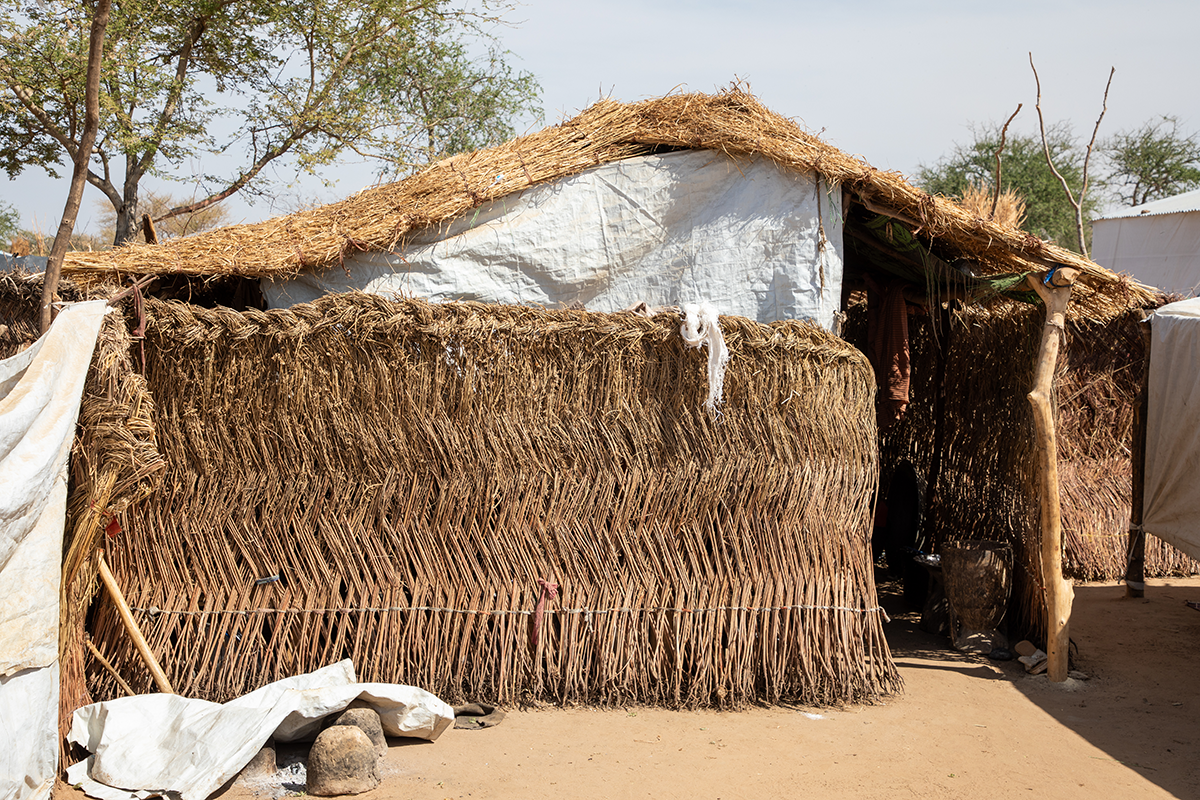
342, 761
261, 767
365, 719
1035, 664
1077, 675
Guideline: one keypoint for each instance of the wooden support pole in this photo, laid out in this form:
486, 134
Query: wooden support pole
1135, 556
131, 626
1055, 295
148, 229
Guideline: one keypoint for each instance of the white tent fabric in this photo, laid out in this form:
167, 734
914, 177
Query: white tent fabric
1160, 248
1172, 477
164, 743
40, 390
747, 236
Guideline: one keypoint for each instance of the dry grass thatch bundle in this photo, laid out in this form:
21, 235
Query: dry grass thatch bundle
393, 482
114, 463
1009, 206
732, 122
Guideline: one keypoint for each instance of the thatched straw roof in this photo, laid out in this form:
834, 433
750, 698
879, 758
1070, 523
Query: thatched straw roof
731, 121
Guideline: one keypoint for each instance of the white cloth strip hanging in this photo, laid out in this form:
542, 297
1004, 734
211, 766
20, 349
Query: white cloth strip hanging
700, 327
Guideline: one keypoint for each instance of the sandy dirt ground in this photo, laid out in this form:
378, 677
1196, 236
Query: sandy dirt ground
965, 727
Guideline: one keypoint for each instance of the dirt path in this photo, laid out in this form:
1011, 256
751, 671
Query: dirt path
964, 728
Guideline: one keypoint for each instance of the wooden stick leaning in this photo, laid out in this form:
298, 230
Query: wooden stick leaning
131, 626
1059, 592
104, 662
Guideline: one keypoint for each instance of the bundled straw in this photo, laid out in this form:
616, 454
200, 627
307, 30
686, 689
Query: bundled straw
731, 122
399, 483
114, 463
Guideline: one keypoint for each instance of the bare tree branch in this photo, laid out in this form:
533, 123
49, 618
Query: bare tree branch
999, 150
267, 157
1092, 142
1078, 204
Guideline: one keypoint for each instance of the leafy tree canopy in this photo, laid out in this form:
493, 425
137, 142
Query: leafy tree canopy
10, 219
254, 81
1152, 162
1049, 214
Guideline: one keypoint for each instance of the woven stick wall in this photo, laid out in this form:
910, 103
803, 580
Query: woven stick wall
983, 431
411, 472
977, 440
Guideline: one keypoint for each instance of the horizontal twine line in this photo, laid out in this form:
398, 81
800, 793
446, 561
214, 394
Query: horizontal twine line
586, 611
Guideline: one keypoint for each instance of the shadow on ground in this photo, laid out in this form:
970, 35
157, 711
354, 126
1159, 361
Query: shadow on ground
1141, 702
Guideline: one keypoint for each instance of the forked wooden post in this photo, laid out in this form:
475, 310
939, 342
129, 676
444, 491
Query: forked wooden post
131, 625
1055, 290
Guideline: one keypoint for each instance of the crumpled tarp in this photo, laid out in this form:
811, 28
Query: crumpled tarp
752, 238
164, 743
40, 390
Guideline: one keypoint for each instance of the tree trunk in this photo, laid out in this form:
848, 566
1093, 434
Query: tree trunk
91, 122
128, 221
1059, 591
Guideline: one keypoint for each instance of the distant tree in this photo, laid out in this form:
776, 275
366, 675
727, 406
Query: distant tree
40, 243
158, 204
10, 220
1048, 212
260, 82
1152, 162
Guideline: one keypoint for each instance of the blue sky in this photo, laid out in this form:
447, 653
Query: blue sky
895, 82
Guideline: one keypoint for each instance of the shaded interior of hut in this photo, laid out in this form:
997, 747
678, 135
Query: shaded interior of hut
954, 353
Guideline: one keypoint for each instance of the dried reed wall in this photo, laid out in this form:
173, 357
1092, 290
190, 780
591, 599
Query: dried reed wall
414, 473
969, 431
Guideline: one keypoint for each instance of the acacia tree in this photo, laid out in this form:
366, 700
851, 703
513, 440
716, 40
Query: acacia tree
10, 219
158, 205
296, 82
1049, 214
1152, 162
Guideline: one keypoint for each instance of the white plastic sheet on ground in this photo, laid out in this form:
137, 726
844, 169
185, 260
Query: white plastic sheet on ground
1172, 478
40, 390
749, 237
162, 743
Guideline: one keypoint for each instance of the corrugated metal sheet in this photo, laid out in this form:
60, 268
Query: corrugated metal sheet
1179, 204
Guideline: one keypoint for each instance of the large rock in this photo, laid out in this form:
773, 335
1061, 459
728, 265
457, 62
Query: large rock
261, 768
342, 761
365, 719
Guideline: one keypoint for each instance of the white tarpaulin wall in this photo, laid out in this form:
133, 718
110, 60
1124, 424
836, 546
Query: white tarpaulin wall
1172, 479
40, 390
749, 237
1157, 243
